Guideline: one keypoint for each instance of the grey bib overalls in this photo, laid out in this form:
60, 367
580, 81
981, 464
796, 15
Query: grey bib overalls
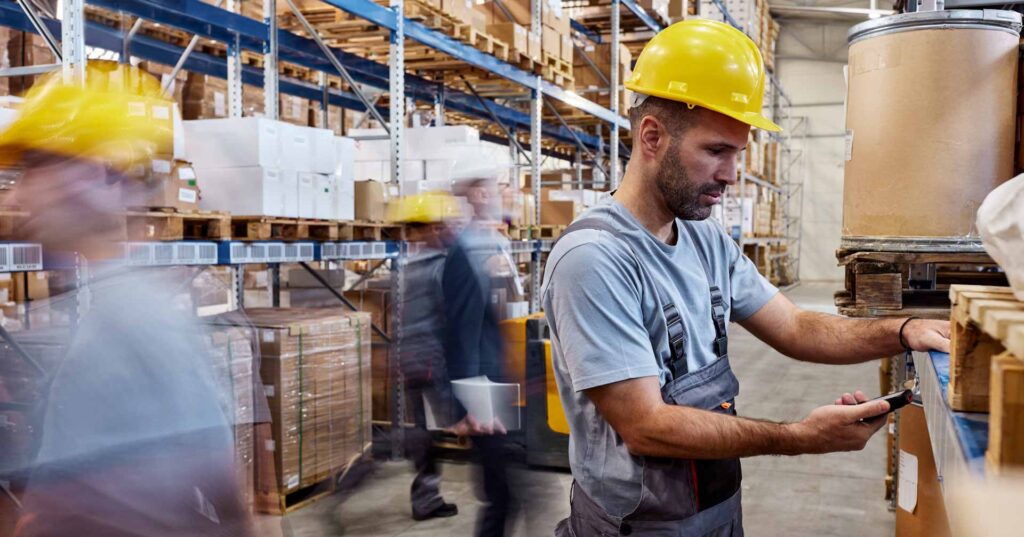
679, 497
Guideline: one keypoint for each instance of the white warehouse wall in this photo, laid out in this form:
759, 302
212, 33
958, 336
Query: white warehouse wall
810, 60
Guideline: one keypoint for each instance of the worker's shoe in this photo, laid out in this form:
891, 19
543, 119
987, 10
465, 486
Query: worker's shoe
444, 511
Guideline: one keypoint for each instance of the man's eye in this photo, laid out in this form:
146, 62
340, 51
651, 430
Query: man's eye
716, 151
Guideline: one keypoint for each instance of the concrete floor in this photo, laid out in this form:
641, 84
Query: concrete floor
833, 495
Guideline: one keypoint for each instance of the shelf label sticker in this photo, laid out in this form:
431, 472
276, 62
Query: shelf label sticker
268, 336
906, 493
162, 166
219, 104
849, 145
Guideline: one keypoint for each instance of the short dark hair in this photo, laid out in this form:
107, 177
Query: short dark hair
677, 116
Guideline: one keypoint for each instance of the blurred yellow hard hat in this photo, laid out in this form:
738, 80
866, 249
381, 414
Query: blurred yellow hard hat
426, 208
708, 64
119, 118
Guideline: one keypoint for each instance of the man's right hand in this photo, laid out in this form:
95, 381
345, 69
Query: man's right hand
839, 427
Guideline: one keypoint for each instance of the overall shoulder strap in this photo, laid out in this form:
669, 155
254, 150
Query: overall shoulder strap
717, 298
674, 322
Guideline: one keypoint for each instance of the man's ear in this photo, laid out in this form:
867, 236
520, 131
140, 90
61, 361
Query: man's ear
651, 136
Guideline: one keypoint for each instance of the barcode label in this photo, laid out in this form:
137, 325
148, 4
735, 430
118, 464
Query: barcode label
27, 255
187, 195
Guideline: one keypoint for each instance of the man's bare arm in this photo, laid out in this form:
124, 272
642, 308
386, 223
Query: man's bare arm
819, 337
649, 427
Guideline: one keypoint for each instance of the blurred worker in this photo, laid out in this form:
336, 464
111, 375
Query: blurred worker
134, 440
480, 255
421, 345
639, 292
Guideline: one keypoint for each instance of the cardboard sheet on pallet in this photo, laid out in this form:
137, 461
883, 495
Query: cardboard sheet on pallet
315, 366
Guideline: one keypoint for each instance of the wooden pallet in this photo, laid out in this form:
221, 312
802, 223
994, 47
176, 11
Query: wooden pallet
986, 366
304, 496
263, 228
481, 41
879, 284
370, 231
163, 224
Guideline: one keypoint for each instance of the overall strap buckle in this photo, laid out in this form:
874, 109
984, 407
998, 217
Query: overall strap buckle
718, 314
676, 340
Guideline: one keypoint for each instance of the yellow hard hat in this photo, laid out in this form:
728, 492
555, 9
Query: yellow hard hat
119, 118
708, 64
426, 208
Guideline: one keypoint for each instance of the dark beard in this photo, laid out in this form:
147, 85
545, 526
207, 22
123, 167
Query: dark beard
681, 195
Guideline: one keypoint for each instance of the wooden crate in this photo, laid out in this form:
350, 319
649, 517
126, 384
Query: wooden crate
370, 231
972, 346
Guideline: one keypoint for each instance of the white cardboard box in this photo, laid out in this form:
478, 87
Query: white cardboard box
306, 195
325, 201
324, 151
345, 149
345, 189
250, 190
290, 193
233, 142
297, 148
371, 171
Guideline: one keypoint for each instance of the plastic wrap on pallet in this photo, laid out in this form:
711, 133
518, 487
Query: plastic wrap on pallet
1001, 226
315, 367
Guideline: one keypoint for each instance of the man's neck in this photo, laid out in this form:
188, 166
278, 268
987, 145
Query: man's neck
646, 204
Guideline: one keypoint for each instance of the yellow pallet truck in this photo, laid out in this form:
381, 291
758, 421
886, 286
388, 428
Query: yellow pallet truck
528, 362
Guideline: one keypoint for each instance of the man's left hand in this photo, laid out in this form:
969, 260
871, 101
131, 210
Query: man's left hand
926, 334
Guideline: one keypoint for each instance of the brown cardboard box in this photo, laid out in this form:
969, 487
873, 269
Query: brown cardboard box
38, 286
478, 20
567, 51
533, 46
520, 10
205, 97
557, 213
294, 110
459, 9
514, 34
371, 204
169, 183
551, 41
929, 517
315, 368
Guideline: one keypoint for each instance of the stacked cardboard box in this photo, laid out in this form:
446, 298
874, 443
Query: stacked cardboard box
232, 360
23, 49
771, 166
660, 9
591, 85
315, 367
554, 39
753, 18
763, 219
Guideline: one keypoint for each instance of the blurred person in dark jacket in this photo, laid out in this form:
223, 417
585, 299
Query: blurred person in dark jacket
421, 341
134, 440
475, 260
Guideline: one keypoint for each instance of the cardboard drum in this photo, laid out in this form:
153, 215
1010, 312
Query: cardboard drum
930, 124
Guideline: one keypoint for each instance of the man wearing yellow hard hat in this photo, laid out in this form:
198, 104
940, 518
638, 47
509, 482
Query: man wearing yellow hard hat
134, 440
639, 292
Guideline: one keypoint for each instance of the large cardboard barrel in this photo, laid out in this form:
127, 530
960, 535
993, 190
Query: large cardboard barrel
930, 126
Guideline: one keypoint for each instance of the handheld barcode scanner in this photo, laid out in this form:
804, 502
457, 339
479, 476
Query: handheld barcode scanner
896, 401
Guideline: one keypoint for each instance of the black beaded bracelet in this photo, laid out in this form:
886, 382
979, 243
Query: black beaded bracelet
903, 342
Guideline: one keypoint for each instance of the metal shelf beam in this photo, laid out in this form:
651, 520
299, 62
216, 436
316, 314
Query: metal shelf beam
363, 71
641, 14
418, 32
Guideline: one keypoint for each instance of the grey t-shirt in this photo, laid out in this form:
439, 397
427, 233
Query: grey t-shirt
607, 325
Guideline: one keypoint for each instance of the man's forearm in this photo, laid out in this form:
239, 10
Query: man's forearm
690, 433
831, 339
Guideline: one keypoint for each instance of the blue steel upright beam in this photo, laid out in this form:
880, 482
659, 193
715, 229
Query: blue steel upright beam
586, 32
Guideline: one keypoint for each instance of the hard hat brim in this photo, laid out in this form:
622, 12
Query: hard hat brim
750, 118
